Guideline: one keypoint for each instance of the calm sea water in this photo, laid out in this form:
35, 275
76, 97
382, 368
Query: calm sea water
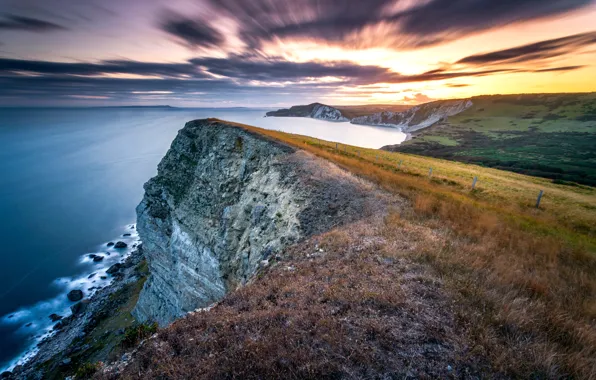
70, 180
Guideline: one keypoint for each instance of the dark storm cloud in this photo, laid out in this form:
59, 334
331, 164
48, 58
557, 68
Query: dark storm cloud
10, 22
329, 20
334, 20
233, 69
281, 70
238, 76
193, 33
104, 67
450, 18
534, 52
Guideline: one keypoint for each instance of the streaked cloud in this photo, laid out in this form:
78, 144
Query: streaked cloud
538, 51
29, 24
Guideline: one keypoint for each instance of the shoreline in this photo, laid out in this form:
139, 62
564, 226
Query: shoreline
70, 319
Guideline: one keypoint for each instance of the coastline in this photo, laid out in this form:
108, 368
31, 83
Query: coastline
52, 347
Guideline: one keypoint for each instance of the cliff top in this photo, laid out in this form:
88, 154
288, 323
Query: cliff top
448, 282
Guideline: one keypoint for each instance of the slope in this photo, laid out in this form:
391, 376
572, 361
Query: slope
547, 135
443, 282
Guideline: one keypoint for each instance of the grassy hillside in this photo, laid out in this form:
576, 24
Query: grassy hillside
493, 285
363, 110
549, 135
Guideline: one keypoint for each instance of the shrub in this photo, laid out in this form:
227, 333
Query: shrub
135, 334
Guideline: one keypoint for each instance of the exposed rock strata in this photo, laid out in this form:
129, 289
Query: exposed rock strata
418, 117
223, 201
410, 120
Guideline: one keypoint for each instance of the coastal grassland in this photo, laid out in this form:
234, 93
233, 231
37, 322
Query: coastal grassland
546, 135
524, 278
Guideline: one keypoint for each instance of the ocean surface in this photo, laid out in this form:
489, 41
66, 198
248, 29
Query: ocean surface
70, 179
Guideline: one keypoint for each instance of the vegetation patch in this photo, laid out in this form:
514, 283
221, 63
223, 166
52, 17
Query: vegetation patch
451, 283
551, 136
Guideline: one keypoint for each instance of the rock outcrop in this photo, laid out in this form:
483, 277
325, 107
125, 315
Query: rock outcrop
314, 111
418, 117
410, 120
224, 200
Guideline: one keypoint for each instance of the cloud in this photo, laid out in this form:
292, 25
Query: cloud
444, 20
560, 69
29, 24
192, 33
11, 66
418, 98
277, 70
534, 52
374, 23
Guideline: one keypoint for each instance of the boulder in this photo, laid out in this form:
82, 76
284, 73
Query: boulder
59, 326
114, 269
97, 259
75, 295
120, 245
92, 256
55, 317
91, 275
110, 244
79, 307
126, 235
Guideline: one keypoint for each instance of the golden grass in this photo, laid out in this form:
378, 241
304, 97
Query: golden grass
524, 278
498, 288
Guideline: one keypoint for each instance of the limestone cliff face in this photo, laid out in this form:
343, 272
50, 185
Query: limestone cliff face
223, 201
417, 117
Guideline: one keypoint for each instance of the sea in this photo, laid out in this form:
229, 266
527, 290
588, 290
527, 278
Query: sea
70, 179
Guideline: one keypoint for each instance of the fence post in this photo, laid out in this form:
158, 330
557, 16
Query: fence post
399, 166
539, 198
474, 183
336, 146
430, 172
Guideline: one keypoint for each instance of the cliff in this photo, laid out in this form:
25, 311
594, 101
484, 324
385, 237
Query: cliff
314, 111
224, 202
408, 120
418, 117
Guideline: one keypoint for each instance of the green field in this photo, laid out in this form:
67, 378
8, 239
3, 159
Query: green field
546, 135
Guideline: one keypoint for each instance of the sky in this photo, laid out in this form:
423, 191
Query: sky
272, 53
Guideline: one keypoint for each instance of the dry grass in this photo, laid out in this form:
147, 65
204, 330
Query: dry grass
499, 289
337, 306
525, 279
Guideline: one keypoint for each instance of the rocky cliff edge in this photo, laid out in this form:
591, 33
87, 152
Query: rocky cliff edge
226, 201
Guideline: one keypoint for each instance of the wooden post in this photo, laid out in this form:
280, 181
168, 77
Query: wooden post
430, 172
539, 198
474, 183
336, 146
399, 166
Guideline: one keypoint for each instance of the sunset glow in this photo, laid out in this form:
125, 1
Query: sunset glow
198, 53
